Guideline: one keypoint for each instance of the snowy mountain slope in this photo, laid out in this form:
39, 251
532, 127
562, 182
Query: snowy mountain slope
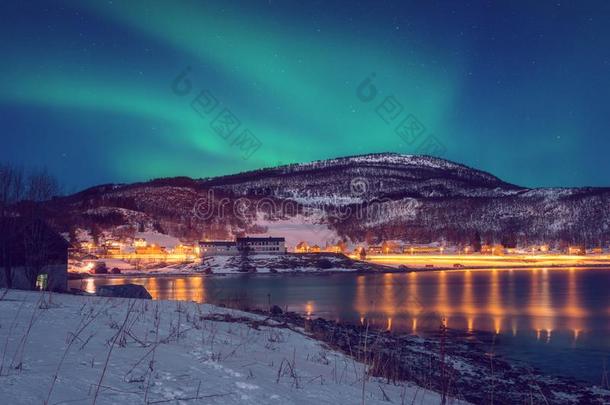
362, 198
380, 174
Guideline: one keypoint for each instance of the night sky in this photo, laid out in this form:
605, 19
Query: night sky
519, 89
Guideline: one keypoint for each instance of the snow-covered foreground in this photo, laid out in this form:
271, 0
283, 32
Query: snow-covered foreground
65, 349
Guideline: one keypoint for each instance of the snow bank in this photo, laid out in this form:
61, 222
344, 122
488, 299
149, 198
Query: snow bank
77, 349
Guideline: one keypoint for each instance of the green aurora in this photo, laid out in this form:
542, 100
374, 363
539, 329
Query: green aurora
86, 88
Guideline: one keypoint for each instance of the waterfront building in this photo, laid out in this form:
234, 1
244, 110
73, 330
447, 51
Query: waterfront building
249, 245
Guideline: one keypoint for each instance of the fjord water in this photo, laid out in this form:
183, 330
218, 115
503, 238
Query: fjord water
557, 320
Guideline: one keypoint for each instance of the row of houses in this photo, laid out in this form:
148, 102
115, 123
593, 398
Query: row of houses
142, 249
304, 247
391, 247
407, 249
139, 247
384, 248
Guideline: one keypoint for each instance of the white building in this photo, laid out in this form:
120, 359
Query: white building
263, 245
218, 248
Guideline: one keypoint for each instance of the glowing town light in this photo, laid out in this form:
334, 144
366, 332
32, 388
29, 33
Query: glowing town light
576, 334
309, 309
497, 325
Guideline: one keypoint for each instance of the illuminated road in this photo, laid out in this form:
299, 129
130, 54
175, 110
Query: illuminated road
489, 261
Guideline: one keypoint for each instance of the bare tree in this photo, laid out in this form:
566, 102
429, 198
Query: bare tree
11, 191
23, 227
41, 187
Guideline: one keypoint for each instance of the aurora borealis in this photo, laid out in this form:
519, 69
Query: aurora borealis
519, 89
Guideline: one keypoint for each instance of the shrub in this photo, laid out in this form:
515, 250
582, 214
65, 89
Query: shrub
100, 268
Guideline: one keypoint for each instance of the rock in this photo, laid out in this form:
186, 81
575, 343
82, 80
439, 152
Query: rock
100, 268
246, 268
124, 291
325, 264
275, 310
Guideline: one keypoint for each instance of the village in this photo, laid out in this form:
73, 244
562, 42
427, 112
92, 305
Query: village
111, 255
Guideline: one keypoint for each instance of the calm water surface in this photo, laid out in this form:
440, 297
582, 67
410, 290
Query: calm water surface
555, 319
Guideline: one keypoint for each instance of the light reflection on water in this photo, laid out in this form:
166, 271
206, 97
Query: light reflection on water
558, 318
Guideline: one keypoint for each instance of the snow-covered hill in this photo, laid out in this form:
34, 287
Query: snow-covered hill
362, 198
360, 178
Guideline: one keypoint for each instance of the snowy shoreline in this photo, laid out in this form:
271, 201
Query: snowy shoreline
259, 264
189, 272
327, 263
85, 349
465, 365
61, 348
